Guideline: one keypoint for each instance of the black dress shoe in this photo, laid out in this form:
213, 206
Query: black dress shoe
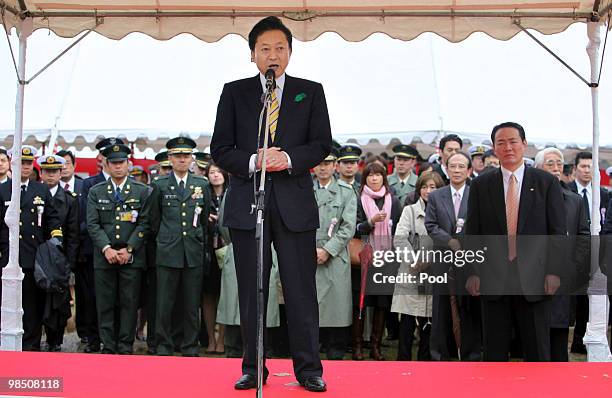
314, 384
92, 347
55, 348
246, 382
107, 351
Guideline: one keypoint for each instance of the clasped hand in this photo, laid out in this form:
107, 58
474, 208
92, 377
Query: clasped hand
120, 257
276, 160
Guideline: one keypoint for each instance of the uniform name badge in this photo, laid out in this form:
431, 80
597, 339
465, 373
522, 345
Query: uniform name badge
126, 216
196, 215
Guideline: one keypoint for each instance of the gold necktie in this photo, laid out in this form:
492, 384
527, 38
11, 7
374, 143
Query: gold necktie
512, 215
273, 116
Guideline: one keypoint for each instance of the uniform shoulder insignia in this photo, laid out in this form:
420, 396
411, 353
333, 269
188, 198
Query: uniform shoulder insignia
344, 184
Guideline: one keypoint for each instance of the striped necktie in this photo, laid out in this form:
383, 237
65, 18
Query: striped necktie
273, 116
512, 215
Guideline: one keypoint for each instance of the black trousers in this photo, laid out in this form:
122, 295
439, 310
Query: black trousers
533, 322
582, 317
408, 325
558, 344
335, 340
297, 267
33, 299
86, 316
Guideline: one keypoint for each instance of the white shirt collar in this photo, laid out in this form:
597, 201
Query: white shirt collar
178, 180
70, 183
106, 175
326, 185
581, 187
54, 190
405, 180
26, 183
280, 85
120, 185
4, 180
518, 173
460, 191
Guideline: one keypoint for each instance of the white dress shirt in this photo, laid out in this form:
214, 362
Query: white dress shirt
53, 190
70, 183
178, 180
589, 194
460, 191
120, 185
519, 174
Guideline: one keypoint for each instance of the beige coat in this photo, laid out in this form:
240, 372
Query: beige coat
406, 297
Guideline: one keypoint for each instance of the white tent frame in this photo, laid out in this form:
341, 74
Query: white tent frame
11, 328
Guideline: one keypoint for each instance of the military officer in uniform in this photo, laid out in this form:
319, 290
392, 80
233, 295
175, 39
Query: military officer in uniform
67, 205
202, 159
165, 167
477, 154
337, 218
118, 222
347, 165
39, 220
85, 292
180, 209
403, 180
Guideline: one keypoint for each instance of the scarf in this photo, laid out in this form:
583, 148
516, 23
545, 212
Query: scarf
382, 230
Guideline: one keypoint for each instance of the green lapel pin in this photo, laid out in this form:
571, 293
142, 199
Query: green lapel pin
300, 97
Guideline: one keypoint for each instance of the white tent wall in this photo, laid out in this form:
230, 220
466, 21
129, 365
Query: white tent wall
71, 17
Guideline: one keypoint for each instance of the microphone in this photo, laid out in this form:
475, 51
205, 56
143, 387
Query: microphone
270, 82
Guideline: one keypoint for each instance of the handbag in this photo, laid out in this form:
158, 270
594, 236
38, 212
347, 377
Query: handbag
354, 247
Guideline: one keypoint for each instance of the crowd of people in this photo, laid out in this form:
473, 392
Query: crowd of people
152, 259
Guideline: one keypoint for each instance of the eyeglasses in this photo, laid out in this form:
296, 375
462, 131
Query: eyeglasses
551, 163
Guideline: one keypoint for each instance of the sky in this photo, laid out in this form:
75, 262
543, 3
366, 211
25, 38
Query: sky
379, 85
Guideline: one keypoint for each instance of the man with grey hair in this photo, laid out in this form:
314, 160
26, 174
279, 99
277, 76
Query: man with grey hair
551, 160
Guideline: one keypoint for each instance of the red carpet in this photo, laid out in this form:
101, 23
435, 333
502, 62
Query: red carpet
90, 376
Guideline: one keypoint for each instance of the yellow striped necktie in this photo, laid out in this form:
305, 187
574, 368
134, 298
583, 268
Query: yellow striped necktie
273, 116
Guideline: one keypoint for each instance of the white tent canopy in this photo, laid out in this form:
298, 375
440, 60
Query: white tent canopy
353, 20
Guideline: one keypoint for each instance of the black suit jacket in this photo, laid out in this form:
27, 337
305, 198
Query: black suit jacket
540, 231
31, 234
67, 206
303, 132
86, 246
604, 198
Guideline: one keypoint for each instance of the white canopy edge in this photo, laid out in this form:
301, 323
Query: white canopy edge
210, 21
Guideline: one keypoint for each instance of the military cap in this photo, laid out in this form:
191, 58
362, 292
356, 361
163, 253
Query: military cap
107, 142
180, 145
162, 159
488, 154
405, 151
51, 162
136, 170
335, 144
28, 152
529, 162
116, 153
202, 159
333, 155
349, 152
478, 150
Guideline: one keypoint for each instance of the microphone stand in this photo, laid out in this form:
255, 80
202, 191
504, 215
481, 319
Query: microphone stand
259, 239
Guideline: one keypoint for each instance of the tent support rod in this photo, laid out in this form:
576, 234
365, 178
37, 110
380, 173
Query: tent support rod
551, 52
8, 39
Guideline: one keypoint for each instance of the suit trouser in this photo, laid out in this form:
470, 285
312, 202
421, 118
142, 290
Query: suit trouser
117, 296
297, 267
558, 344
335, 340
151, 286
33, 299
86, 316
582, 317
408, 324
172, 283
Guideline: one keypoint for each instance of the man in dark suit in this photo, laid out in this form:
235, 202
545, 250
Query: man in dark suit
67, 205
583, 172
38, 221
85, 288
577, 259
449, 144
515, 212
300, 137
444, 220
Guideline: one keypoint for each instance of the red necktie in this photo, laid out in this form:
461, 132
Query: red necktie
67, 187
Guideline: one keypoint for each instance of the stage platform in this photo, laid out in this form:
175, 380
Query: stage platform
92, 376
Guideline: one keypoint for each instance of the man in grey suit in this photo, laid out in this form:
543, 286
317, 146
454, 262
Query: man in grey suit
444, 220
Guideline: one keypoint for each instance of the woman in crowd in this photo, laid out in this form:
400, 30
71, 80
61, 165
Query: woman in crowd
412, 300
378, 213
212, 281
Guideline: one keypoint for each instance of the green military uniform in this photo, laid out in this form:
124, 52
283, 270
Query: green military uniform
118, 217
179, 220
398, 187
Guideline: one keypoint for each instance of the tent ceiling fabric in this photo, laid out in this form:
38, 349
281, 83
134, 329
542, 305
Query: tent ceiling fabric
354, 20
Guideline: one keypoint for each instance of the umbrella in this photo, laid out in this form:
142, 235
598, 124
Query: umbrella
365, 257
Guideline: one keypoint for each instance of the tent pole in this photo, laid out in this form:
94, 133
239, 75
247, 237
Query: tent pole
595, 338
11, 328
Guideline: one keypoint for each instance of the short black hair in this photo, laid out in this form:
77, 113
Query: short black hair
582, 155
266, 24
465, 155
3, 152
488, 154
514, 125
567, 169
64, 152
448, 138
